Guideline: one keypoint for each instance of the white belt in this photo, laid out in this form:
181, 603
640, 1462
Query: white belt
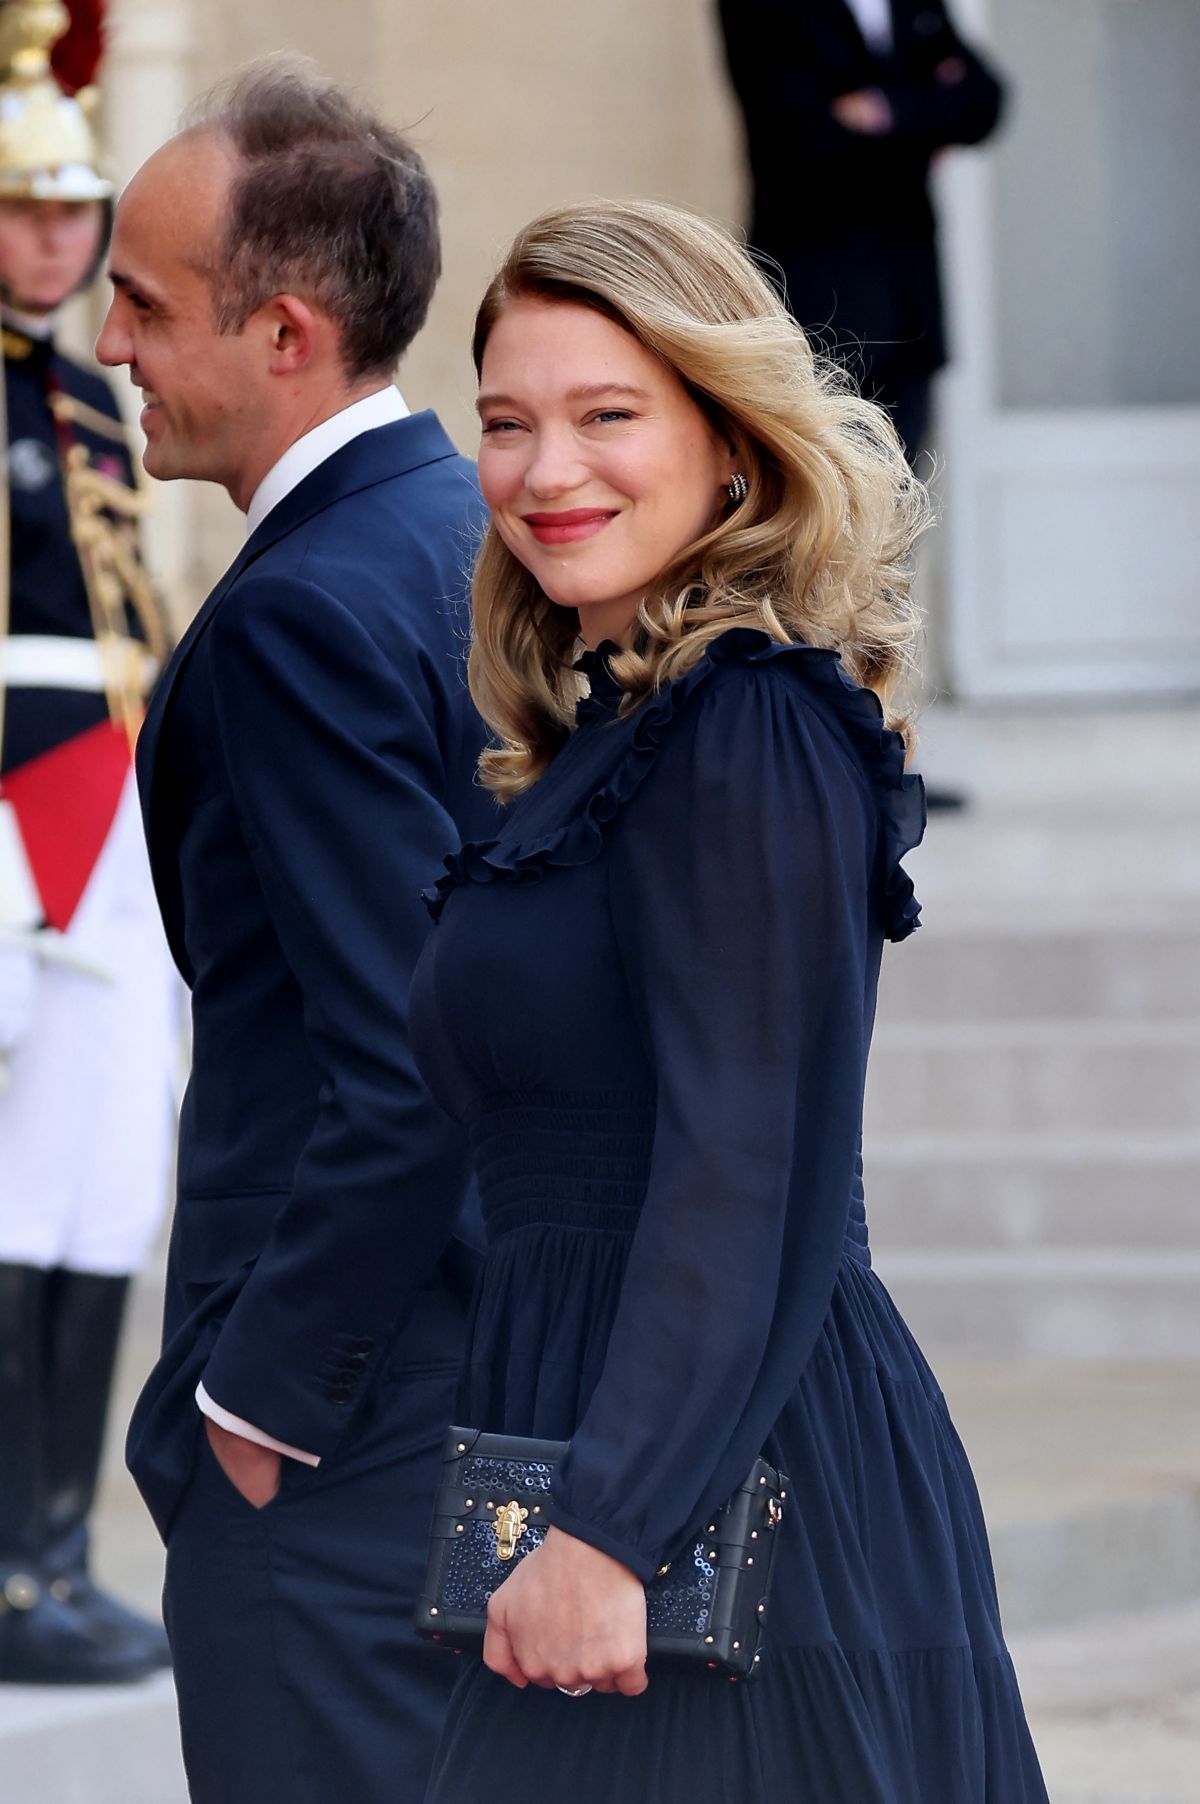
46, 661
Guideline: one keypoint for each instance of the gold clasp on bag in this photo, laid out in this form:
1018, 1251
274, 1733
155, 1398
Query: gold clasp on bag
510, 1526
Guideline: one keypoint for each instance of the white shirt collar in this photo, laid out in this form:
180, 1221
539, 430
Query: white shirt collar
33, 325
300, 459
875, 22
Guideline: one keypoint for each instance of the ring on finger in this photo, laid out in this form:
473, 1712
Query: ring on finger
573, 1691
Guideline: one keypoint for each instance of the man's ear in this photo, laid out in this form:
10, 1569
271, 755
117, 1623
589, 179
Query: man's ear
292, 330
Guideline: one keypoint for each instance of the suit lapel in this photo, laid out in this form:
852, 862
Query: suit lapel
373, 457
376, 456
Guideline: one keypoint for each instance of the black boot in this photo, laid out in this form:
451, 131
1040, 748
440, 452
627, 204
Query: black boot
84, 1315
44, 1639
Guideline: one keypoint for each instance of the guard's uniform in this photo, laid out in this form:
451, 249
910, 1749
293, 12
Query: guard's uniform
85, 991
85, 1107
85, 1119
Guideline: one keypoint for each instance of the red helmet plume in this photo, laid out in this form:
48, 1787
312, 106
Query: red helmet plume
76, 56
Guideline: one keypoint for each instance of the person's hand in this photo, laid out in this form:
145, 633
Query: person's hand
255, 1471
569, 1615
18, 995
866, 110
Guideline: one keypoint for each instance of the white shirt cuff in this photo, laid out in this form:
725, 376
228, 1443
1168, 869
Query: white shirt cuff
249, 1432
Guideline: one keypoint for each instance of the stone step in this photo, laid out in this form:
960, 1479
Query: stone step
1128, 1553
1081, 868
1090, 1478
1093, 1303
91, 1745
1114, 1706
968, 1192
995, 1076
1081, 761
1126, 1658
1011, 972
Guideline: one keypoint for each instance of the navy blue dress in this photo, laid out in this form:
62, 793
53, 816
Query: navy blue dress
651, 999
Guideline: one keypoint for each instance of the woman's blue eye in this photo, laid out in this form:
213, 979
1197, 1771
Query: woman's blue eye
500, 426
611, 413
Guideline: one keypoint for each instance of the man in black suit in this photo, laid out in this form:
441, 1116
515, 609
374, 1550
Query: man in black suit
846, 104
307, 762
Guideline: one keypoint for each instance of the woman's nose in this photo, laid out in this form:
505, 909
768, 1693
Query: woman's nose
555, 466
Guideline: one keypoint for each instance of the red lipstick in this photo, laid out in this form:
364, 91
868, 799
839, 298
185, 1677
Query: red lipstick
563, 528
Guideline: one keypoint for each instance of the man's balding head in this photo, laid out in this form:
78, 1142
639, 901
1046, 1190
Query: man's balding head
327, 202
271, 263
179, 198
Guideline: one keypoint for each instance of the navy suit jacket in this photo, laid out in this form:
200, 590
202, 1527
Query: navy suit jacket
307, 762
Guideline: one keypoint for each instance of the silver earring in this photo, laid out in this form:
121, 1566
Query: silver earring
739, 488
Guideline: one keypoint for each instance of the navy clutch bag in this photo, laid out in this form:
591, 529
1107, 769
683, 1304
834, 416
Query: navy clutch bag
707, 1608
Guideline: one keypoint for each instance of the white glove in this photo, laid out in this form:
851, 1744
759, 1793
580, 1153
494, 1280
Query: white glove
19, 971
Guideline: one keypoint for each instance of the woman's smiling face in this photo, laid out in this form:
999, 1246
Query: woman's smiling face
596, 463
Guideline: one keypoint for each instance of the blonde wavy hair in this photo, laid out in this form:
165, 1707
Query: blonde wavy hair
820, 550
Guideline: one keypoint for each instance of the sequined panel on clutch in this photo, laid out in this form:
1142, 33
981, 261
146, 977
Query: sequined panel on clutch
680, 1602
509, 1476
474, 1571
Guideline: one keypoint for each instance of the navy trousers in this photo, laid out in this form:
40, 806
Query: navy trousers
300, 1679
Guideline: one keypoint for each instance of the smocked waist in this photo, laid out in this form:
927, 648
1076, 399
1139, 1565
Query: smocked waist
583, 1164
586, 1161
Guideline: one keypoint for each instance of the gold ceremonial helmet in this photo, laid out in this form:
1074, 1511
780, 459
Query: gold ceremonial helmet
47, 150
48, 153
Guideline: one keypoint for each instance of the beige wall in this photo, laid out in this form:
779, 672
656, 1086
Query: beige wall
516, 105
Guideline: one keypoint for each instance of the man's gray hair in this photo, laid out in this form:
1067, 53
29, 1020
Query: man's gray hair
329, 204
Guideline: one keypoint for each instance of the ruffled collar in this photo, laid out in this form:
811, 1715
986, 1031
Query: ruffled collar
518, 856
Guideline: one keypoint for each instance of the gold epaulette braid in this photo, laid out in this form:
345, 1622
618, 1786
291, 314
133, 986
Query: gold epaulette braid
104, 512
78, 413
15, 345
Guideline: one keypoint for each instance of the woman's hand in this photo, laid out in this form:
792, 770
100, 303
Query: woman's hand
569, 1615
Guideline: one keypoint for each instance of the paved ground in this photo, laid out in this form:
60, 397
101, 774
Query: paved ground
1115, 1707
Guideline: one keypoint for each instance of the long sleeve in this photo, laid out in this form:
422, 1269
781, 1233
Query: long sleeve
961, 105
740, 883
225, 1419
332, 752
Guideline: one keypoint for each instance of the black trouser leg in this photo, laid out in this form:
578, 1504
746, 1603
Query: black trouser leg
300, 1677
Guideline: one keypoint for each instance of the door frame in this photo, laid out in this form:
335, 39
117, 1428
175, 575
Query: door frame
1005, 464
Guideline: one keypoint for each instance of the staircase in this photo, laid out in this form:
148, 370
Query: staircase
1033, 1118
1032, 1160
1033, 1140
